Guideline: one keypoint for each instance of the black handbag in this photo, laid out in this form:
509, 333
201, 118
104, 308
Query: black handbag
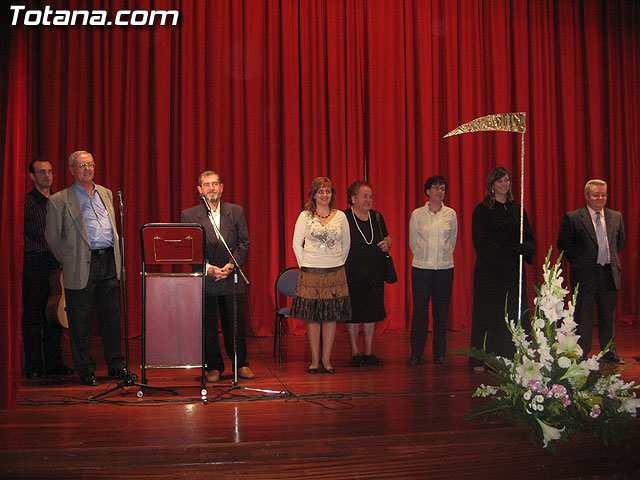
390, 275
389, 270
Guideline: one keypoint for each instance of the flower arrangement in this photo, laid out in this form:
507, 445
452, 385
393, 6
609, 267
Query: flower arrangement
548, 385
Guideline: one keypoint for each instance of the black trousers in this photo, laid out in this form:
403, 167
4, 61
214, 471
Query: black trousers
223, 304
39, 336
605, 296
101, 294
434, 286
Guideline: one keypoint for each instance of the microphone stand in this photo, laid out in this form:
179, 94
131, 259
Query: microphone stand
236, 270
129, 380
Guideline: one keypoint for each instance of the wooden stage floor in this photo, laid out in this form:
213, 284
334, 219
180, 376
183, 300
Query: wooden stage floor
371, 422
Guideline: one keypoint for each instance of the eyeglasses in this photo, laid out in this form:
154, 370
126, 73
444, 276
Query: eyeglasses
598, 195
44, 172
85, 165
442, 188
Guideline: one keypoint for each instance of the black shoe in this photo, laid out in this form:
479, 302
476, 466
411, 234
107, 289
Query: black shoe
612, 358
413, 361
122, 373
60, 370
356, 360
440, 361
89, 380
329, 370
312, 370
372, 360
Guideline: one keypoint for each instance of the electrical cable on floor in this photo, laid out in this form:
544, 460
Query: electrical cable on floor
343, 400
264, 360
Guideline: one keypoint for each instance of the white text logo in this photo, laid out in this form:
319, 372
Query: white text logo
91, 17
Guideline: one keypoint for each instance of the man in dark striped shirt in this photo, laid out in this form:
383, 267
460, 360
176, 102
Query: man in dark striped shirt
39, 335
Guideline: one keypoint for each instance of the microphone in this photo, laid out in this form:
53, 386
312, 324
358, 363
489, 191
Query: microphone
119, 195
203, 197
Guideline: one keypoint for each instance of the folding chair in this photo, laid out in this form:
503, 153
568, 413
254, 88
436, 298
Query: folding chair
285, 285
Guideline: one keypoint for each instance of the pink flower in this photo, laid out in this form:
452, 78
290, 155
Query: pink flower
595, 411
565, 401
559, 389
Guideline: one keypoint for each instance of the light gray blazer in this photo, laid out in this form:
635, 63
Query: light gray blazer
68, 239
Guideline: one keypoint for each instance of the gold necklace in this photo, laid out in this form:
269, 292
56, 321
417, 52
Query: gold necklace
370, 225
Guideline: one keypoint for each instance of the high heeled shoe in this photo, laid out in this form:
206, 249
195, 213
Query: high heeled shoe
328, 370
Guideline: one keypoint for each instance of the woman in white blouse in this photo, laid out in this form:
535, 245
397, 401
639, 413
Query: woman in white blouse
433, 230
321, 242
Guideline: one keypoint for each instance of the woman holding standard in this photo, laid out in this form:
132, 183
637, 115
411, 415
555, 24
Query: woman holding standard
321, 242
433, 231
365, 270
495, 230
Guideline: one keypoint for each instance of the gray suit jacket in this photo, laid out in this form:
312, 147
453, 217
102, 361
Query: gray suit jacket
234, 230
68, 239
577, 238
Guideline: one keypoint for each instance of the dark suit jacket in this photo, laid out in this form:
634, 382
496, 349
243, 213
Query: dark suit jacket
577, 238
68, 239
233, 227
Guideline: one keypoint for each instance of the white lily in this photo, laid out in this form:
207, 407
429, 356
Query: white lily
567, 343
629, 405
528, 371
549, 433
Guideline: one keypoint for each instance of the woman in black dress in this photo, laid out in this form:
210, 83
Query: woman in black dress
365, 270
495, 229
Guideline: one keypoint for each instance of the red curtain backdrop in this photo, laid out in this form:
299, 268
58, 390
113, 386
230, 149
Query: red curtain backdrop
273, 93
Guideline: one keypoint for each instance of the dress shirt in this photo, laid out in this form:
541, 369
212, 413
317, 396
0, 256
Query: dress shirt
214, 218
592, 213
35, 214
432, 237
96, 218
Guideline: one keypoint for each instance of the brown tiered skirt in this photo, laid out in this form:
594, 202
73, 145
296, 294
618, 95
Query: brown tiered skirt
322, 295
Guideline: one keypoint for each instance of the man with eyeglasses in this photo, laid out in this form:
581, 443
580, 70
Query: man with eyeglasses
40, 337
81, 232
591, 238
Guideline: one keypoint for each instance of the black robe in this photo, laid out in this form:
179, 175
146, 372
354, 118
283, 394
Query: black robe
496, 238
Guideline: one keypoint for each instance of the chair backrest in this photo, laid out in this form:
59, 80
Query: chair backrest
287, 281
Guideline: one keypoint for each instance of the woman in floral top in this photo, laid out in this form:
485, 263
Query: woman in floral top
321, 242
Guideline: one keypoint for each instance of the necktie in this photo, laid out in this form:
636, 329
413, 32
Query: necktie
602, 241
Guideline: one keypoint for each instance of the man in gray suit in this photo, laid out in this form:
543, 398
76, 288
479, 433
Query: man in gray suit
81, 232
219, 284
591, 238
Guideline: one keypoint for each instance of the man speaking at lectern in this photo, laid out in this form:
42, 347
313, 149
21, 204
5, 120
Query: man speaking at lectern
230, 222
